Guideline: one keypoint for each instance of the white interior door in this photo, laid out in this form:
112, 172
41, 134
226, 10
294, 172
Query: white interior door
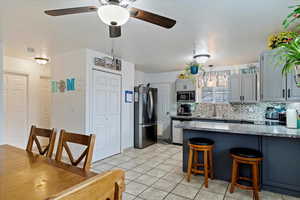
45, 103
163, 108
106, 114
16, 109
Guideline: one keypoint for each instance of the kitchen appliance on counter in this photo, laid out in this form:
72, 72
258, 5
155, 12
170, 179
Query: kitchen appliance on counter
145, 116
282, 118
184, 110
272, 113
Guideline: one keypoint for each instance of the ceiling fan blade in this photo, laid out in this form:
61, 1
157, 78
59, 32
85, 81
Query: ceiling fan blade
70, 11
115, 31
152, 18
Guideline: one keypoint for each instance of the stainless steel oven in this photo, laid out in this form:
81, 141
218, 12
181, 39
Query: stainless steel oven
186, 96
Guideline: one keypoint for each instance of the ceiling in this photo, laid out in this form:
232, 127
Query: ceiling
232, 31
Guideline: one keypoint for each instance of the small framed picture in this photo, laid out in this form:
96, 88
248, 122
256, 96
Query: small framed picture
128, 96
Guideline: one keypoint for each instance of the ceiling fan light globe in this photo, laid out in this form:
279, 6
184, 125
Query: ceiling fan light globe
201, 58
113, 15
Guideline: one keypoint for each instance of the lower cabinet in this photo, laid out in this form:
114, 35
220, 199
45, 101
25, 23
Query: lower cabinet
281, 165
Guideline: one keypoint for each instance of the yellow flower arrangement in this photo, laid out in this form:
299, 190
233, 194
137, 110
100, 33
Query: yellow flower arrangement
275, 40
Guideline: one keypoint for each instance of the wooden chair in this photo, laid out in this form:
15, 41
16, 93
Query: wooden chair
46, 133
107, 186
86, 140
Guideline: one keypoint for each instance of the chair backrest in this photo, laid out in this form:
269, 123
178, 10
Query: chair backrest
107, 186
41, 132
86, 140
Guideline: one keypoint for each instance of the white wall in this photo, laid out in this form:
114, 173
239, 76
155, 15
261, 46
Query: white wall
1, 97
127, 108
139, 78
33, 71
68, 109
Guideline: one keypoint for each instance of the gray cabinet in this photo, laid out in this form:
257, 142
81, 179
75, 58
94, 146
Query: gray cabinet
243, 88
235, 88
274, 85
185, 85
293, 91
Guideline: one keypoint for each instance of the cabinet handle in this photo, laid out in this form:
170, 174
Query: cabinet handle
283, 93
289, 93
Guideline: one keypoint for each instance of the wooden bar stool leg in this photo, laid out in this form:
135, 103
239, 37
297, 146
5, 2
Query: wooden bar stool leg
255, 176
211, 167
196, 158
206, 168
190, 163
233, 175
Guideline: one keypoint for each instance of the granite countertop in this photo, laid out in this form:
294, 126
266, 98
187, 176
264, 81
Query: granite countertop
248, 129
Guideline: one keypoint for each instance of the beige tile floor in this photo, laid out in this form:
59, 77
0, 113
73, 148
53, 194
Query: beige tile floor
155, 173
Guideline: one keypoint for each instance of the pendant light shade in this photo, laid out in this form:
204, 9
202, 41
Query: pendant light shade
113, 15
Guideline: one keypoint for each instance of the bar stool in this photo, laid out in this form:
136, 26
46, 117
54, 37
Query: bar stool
205, 146
250, 157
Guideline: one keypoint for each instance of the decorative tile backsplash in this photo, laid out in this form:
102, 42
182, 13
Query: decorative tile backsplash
235, 111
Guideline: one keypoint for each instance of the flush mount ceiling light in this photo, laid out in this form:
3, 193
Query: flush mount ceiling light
41, 61
113, 15
201, 58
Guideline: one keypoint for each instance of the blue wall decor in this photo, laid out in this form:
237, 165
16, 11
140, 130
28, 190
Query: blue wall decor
128, 96
63, 85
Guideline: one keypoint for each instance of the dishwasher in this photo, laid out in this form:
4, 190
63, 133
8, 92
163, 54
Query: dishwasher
177, 133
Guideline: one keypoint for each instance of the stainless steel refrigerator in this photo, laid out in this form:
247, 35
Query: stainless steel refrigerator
145, 116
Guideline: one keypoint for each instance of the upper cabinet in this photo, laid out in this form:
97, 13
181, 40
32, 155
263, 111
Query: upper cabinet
243, 88
272, 82
293, 91
185, 85
274, 86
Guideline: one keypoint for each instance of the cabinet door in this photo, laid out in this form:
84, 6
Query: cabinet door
249, 90
235, 88
273, 83
185, 85
293, 93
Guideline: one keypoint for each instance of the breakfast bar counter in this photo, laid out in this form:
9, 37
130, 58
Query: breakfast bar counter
280, 170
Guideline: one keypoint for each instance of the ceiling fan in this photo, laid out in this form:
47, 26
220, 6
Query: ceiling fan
116, 13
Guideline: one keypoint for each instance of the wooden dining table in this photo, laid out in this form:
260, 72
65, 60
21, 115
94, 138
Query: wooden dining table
28, 176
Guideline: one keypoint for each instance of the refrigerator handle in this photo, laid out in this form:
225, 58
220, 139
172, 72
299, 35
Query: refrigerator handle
150, 105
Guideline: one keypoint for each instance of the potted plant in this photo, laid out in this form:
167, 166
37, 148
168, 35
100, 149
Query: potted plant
275, 40
193, 67
292, 17
290, 55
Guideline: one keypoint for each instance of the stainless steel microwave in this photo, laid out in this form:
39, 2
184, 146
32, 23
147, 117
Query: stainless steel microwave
186, 96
